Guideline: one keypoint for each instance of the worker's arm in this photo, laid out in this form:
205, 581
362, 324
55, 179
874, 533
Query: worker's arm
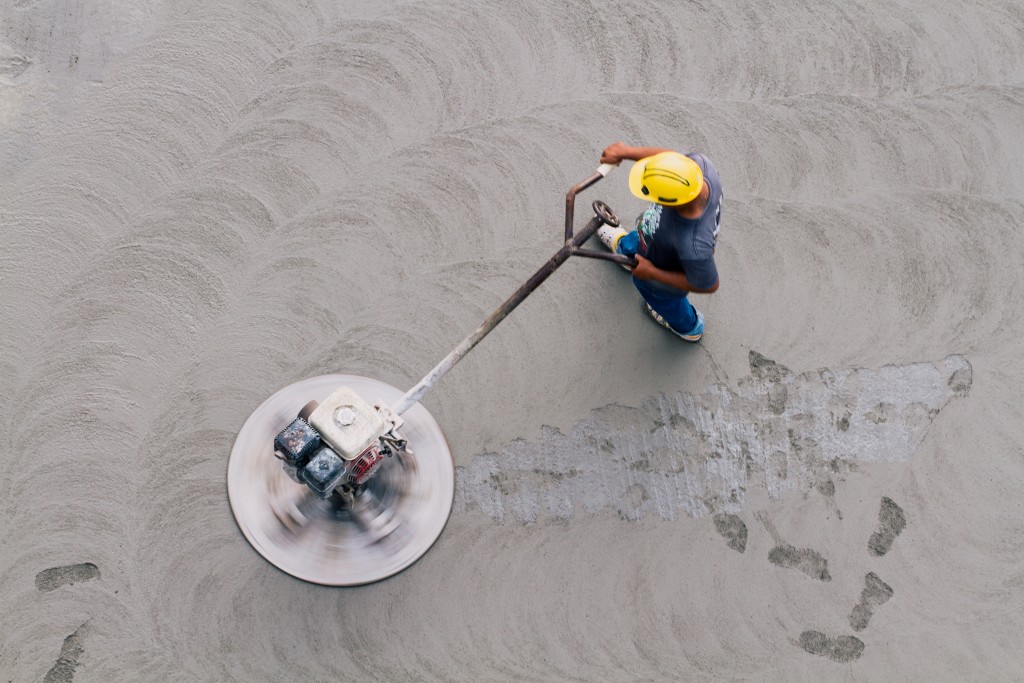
617, 151
645, 270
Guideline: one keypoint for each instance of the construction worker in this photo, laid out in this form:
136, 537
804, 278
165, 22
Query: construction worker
674, 239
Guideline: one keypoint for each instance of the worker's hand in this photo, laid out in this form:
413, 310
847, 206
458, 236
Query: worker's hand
644, 270
614, 153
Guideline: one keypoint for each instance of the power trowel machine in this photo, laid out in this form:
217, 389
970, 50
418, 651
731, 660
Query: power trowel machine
341, 479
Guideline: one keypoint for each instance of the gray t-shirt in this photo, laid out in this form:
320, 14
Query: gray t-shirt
674, 243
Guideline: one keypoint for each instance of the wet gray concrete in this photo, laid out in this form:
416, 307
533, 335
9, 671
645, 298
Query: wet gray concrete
202, 202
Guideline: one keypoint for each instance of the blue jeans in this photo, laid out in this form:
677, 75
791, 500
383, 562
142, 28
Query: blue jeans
676, 309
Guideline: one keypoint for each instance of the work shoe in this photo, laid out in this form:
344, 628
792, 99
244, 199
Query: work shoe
693, 335
610, 237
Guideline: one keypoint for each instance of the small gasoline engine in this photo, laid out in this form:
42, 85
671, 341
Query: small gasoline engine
338, 445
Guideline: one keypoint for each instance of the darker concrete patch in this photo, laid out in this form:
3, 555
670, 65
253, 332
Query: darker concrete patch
637, 495
676, 421
842, 649
891, 521
55, 577
63, 670
808, 561
876, 592
778, 395
961, 380
773, 374
826, 487
733, 530
766, 368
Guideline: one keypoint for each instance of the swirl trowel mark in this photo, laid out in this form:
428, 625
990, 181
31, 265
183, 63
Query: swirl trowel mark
698, 454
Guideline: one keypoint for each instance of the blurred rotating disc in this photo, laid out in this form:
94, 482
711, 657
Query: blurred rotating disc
397, 517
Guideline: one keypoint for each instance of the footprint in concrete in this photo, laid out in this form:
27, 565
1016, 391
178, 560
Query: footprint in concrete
808, 561
827, 488
773, 374
842, 649
55, 577
63, 670
891, 522
733, 530
876, 592
961, 379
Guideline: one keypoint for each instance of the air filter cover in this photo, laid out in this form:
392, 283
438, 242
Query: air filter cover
348, 423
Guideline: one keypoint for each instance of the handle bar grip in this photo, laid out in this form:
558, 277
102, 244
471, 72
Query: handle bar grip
605, 169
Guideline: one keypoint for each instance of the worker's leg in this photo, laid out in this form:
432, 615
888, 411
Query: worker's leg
675, 310
666, 308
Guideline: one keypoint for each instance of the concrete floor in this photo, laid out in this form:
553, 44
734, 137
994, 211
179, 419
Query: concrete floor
202, 202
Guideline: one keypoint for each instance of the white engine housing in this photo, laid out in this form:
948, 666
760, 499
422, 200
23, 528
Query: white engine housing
348, 424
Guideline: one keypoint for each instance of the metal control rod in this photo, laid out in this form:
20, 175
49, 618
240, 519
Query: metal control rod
572, 246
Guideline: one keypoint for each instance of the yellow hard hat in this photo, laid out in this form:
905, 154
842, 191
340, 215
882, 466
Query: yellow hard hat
669, 178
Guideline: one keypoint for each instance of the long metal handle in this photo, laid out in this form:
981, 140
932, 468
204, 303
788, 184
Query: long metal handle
628, 261
570, 197
573, 242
